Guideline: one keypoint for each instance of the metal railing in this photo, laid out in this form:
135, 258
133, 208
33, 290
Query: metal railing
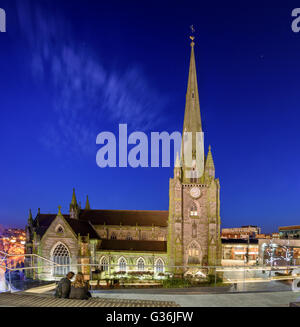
238, 278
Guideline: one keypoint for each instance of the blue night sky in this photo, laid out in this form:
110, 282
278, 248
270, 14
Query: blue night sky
72, 69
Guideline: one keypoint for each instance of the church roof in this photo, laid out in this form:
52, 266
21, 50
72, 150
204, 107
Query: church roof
83, 228
79, 227
125, 217
133, 245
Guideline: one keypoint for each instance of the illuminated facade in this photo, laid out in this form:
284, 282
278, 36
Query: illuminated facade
120, 241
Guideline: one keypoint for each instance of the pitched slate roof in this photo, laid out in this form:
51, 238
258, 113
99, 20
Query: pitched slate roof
133, 245
82, 227
45, 221
125, 217
79, 227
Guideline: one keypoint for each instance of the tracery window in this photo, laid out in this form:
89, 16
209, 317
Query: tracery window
61, 256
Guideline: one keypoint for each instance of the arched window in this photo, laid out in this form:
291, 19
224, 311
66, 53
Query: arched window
122, 264
104, 264
61, 256
141, 264
113, 236
193, 210
194, 253
129, 237
159, 266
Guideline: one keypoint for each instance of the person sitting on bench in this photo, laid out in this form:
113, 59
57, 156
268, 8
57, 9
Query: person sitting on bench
79, 288
64, 286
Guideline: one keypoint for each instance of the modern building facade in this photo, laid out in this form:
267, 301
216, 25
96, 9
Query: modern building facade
243, 232
292, 232
120, 241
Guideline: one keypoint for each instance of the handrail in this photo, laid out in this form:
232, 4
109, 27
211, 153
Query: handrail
28, 254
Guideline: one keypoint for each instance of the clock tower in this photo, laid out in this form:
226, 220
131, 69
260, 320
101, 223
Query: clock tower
194, 194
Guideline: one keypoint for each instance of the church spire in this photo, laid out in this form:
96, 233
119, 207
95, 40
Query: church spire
192, 117
192, 152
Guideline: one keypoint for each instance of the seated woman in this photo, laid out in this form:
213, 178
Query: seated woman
79, 288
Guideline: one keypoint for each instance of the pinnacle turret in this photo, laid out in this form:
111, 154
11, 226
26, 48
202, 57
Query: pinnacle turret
74, 208
87, 204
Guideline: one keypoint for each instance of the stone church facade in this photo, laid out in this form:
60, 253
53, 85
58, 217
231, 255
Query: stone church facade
123, 241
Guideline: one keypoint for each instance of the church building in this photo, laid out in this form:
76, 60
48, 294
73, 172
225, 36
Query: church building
154, 242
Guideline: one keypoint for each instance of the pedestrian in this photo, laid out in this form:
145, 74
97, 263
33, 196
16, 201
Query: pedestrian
64, 286
79, 288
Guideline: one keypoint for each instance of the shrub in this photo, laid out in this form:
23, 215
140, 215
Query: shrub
176, 283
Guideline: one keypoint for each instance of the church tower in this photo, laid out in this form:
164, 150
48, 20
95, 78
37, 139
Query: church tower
194, 193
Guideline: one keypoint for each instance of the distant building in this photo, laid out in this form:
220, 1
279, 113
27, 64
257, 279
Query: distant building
280, 252
263, 236
239, 251
275, 235
243, 232
291, 232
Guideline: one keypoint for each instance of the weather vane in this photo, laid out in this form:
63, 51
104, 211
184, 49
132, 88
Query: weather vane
193, 31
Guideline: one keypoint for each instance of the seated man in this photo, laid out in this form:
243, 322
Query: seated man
64, 286
79, 288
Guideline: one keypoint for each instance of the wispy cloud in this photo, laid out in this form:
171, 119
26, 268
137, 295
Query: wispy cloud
85, 93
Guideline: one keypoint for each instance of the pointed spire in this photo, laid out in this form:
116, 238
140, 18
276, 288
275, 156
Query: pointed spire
192, 117
192, 155
87, 204
209, 163
74, 201
30, 219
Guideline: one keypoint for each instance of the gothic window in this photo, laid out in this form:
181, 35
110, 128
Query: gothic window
122, 264
194, 253
129, 237
159, 266
193, 210
104, 264
61, 256
141, 264
113, 236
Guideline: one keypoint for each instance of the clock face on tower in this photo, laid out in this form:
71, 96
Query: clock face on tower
195, 192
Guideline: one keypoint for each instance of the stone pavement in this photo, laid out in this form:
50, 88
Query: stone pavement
190, 299
22, 299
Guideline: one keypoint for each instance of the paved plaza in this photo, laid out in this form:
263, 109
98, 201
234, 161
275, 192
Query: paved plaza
190, 299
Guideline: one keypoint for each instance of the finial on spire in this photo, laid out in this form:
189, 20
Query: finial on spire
59, 211
192, 37
209, 148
